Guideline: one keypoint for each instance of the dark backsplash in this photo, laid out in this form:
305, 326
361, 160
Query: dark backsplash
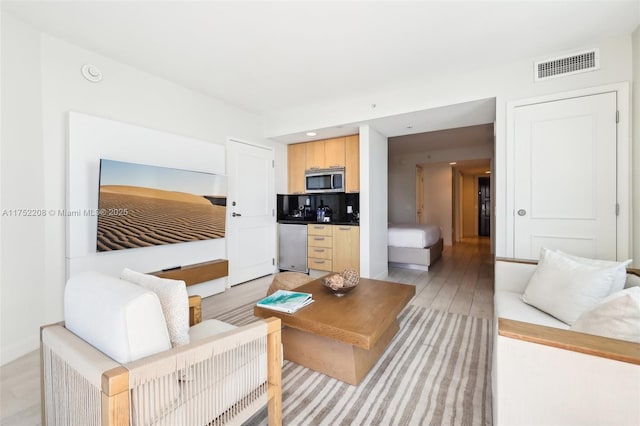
295, 207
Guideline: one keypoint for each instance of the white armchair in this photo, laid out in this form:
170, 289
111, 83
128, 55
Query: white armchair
117, 367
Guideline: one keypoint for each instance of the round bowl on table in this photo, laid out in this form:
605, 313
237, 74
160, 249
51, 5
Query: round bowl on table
339, 291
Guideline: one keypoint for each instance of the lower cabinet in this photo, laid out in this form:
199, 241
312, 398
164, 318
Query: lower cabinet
346, 247
333, 247
319, 247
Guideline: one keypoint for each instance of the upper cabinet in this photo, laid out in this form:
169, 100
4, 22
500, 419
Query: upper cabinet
315, 155
296, 166
352, 163
324, 154
334, 154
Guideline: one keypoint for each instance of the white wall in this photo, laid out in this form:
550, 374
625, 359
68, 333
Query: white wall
635, 149
438, 201
23, 279
402, 178
45, 75
280, 157
505, 82
373, 204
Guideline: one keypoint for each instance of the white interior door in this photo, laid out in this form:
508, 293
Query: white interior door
565, 177
250, 212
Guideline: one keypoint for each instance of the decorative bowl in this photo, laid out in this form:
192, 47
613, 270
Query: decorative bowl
341, 284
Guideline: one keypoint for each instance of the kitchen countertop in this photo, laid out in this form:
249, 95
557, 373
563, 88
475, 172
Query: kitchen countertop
313, 222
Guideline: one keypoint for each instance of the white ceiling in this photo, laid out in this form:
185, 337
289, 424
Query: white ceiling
459, 137
264, 56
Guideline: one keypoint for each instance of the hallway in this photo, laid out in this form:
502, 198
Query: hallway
460, 282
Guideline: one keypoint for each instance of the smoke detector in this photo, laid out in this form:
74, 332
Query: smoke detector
575, 63
91, 73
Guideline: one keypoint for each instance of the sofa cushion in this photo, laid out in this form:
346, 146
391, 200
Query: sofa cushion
565, 288
510, 305
616, 316
209, 328
120, 319
173, 299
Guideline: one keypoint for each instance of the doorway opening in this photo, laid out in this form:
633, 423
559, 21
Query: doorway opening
484, 206
419, 193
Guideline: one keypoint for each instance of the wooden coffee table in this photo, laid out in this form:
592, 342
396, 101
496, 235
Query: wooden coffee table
342, 337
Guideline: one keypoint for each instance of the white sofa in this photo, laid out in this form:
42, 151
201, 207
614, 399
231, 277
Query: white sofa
545, 374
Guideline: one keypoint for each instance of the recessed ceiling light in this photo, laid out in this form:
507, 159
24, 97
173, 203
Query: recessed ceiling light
311, 133
409, 126
453, 163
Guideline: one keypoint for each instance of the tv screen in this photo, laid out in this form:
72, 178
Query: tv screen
141, 205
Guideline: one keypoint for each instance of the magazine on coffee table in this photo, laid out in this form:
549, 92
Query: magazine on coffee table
286, 301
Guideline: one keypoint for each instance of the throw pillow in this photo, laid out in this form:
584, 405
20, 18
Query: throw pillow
632, 281
173, 299
616, 316
621, 269
565, 288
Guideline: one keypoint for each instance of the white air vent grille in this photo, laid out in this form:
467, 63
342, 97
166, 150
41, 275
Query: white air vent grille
567, 65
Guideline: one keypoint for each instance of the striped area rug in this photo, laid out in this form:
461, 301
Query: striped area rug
436, 371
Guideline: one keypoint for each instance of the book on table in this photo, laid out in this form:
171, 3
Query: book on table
286, 301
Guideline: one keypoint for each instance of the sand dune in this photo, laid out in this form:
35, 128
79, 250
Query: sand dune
141, 191
153, 220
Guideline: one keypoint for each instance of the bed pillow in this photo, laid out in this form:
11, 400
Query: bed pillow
565, 288
173, 299
621, 269
617, 316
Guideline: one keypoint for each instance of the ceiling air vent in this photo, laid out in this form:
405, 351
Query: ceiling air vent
588, 60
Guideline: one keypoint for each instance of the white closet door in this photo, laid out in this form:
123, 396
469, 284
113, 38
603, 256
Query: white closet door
565, 177
250, 212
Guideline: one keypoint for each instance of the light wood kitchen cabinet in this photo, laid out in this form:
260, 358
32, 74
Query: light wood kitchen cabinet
315, 158
325, 154
334, 153
352, 163
346, 248
296, 166
320, 247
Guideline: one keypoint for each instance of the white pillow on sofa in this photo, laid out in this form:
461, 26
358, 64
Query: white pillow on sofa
174, 300
565, 288
621, 268
616, 316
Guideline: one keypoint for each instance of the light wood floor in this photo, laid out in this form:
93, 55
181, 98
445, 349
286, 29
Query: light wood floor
461, 282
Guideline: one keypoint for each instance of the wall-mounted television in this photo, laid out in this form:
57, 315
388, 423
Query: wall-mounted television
143, 205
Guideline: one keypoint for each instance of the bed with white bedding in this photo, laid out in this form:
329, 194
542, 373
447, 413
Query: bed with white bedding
414, 245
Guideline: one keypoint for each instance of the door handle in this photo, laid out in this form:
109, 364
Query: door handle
234, 214
522, 212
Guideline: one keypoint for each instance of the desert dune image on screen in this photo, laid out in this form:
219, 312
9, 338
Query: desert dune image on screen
141, 206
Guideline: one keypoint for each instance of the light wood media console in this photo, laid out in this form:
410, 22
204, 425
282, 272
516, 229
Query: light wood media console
198, 272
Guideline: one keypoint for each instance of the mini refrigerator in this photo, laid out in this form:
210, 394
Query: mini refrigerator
292, 247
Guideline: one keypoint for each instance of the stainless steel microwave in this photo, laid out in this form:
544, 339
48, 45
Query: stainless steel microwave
324, 180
